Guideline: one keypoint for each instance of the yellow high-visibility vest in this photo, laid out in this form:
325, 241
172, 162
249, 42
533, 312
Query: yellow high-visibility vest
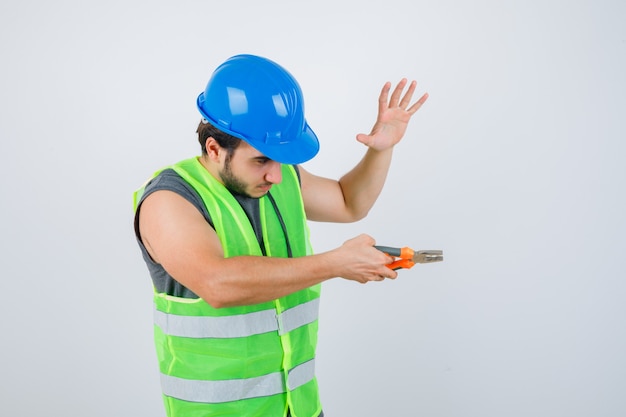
256, 360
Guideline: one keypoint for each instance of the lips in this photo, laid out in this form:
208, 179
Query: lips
265, 187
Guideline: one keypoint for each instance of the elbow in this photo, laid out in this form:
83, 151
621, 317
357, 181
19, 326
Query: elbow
216, 304
360, 216
220, 296
215, 296
216, 300
356, 215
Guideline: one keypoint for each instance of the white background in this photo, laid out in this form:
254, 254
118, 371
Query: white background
514, 167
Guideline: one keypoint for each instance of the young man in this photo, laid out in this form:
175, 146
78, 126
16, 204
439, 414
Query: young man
226, 242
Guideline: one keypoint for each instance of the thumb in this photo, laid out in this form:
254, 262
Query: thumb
364, 139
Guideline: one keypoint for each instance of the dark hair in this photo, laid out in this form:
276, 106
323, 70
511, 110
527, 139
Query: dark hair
206, 130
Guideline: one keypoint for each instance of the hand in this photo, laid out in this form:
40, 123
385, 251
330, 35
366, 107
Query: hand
393, 118
362, 262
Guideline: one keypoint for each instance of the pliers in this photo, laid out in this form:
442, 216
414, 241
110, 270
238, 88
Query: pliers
408, 257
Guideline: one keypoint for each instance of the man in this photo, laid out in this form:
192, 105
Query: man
226, 242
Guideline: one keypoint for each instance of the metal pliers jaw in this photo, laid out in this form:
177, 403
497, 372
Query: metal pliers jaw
407, 257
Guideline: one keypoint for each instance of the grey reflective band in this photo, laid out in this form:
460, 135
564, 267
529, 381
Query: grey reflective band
298, 316
236, 389
216, 327
241, 325
301, 374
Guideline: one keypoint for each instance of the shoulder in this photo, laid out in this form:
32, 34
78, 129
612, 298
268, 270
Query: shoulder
169, 180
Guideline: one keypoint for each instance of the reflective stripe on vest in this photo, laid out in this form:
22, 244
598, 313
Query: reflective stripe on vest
236, 389
242, 325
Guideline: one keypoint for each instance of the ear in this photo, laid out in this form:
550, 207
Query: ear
213, 149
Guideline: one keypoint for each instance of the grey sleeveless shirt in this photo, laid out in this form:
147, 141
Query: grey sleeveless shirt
169, 180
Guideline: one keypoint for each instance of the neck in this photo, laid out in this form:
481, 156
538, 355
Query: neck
211, 167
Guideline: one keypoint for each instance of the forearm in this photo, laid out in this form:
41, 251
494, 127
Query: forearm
247, 280
362, 185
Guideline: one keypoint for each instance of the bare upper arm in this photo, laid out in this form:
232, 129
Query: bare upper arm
177, 236
324, 199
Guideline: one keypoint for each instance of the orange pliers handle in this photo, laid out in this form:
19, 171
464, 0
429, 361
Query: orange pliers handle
404, 254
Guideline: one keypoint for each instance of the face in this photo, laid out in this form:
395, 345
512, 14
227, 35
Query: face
250, 173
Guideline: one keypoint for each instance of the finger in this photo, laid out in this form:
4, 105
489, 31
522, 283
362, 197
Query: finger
404, 103
385, 275
384, 95
367, 239
395, 96
390, 273
379, 277
415, 107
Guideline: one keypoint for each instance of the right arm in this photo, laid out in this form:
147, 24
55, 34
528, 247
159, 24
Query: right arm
177, 236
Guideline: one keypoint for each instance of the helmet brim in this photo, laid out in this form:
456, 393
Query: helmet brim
293, 152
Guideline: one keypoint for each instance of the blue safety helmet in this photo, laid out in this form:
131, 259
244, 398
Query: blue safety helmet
257, 100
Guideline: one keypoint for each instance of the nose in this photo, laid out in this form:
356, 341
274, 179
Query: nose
274, 173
